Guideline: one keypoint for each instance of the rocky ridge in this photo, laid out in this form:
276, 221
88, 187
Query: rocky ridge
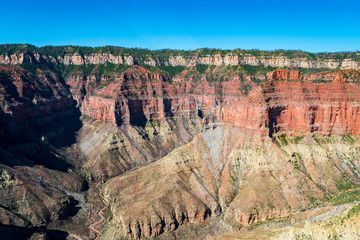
19, 54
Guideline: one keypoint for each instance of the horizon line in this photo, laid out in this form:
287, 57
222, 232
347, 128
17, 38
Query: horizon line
185, 50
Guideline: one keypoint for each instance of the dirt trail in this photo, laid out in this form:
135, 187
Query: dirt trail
337, 210
100, 213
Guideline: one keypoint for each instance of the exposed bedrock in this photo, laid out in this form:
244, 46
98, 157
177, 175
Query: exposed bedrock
277, 105
224, 171
37, 117
241, 165
175, 149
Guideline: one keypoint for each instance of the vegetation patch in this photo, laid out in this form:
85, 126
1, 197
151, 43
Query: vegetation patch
172, 70
322, 81
354, 211
296, 139
255, 70
85, 173
201, 68
343, 183
322, 139
282, 140
297, 157
246, 88
4, 76
347, 139
346, 197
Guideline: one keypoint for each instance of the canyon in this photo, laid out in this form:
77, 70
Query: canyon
160, 144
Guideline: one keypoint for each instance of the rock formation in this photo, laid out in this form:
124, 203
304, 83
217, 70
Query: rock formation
177, 138
284, 74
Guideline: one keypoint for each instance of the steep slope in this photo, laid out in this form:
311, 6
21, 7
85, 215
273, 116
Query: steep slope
246, 179
38, 116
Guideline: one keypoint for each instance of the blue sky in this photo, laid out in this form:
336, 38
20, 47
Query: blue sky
306, 25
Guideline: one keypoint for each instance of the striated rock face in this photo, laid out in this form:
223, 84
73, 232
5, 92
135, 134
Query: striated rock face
12, 59
269, 108
101, 58
246, 179
185, 189
338, 76
99, 108
161, 112
229, 59
321, 108
284, 74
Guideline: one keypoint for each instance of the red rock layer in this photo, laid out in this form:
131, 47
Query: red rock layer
339, 76
284, 74
28, 96
39, 101
296, 106
99, 108
308, 107
139, 96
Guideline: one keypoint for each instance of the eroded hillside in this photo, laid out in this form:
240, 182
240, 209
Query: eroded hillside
130, 144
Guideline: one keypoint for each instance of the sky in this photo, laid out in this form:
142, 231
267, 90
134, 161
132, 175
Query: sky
314, 26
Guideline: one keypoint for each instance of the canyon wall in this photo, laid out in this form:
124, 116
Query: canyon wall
177, 148
83, 56
37, 116
279, 105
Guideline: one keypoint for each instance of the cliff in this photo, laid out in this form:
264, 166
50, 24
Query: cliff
274, 106
37, 117
284, 74
71, 55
